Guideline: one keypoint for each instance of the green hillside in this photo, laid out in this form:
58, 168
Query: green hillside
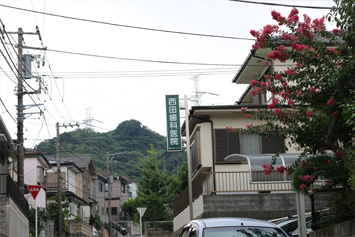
130, 140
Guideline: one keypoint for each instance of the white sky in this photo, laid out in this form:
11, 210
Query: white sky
117, 90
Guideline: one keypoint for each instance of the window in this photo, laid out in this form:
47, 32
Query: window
123, 188
234, 143
40, 175
113, 210
2, 158
195, 151
89, 184
84, 181
101, 187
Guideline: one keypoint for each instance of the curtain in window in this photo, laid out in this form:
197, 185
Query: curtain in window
250, 144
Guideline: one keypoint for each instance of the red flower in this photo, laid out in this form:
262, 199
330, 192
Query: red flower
339, 154
331, 102
309, 114
280, 169
267, 169
303, 163
253, 83
327, 181
329, 162
336, 113
303, 187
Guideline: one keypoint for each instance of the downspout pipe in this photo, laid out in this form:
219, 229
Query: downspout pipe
213, 153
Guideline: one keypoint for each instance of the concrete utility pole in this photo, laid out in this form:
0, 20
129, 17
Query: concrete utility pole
20, 106
20, 146
59, 194
109, 195
59, 178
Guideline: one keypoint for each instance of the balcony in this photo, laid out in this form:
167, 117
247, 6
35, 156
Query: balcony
9, 188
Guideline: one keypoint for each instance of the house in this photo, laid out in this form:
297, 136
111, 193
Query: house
69, 172
35, 169
119, 194
98, 193
14, 209
227, 173
84, 183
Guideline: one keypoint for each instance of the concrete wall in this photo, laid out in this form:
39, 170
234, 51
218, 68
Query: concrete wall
12, 220
264, 206
345, 229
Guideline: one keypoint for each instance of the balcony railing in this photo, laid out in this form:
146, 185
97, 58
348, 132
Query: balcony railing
8, 187
224, 182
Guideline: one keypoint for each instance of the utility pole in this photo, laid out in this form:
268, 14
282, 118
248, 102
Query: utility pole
20, 146
59, 194
109, 195
59, 178
20, 106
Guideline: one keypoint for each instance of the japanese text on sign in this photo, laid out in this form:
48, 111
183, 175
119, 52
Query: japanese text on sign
173, 123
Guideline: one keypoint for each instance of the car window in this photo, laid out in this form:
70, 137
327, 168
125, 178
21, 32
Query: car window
184, 232
244, 231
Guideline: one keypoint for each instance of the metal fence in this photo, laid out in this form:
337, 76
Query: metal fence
323, 210
224, 182
9, 188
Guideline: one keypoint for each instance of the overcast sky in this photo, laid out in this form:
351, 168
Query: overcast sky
124, 60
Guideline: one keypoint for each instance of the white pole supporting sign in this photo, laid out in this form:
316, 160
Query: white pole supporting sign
34, 190
141, 211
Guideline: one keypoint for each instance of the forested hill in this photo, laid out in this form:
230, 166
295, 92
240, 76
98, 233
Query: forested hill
130, 140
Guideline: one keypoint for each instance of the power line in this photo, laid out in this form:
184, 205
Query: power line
282, 5
127, 26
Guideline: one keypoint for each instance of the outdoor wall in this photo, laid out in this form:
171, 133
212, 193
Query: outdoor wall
206, 144
346, 228
263, 206
10, 213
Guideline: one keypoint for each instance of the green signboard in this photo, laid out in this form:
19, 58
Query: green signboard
173, 123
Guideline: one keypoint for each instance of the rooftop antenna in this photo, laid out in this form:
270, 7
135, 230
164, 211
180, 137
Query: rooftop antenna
196, 94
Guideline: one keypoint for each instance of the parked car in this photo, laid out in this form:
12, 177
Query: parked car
231, 227
289, 226
308, 229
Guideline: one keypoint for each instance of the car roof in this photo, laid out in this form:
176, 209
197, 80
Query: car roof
231, 221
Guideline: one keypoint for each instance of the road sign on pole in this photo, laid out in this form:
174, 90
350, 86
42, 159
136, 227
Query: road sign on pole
141, 211
34, 190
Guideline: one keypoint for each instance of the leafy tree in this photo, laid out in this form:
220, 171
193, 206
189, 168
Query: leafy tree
95, 220
41, 215
153, 188
179, 182
130, 208
52, 212
313, 103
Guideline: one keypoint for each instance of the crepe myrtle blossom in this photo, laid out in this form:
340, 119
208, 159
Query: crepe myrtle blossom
267, 169
331, 102
280, 169
303, 187
309, 114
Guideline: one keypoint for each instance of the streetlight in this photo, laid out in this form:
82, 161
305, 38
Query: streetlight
110, 181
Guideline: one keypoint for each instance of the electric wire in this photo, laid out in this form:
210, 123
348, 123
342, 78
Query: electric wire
282, 5
2, 102
126, 26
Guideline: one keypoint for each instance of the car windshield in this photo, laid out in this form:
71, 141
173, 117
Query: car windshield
243, 231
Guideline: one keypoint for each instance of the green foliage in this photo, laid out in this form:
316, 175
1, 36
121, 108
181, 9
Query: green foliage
179, 182
52, 212
129, 136
95, 220
32, 220
130, 209
153, 189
